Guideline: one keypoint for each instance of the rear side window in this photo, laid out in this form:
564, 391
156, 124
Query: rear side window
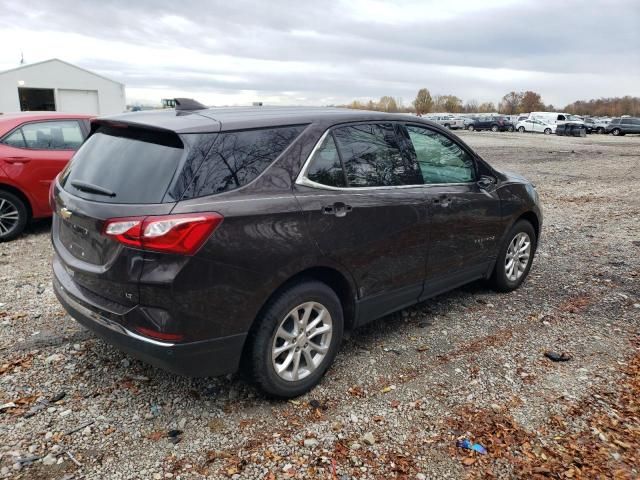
15, 139
441, 160
237, 158
325, 167
372, 156
127, 165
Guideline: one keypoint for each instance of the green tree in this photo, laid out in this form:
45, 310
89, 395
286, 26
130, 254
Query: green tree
423, 102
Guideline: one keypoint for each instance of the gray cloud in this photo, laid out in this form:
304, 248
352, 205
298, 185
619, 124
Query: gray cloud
565, 50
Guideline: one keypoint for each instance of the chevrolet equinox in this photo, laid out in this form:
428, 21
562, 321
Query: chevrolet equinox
204, 241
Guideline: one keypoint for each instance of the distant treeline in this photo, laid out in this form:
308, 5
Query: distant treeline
512, 103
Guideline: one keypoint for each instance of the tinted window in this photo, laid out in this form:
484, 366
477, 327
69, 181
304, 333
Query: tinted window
441, 160
372, 156
236, 158
635, 121
59, 135
626, 121
615, 121
325, 166
15, 139
136, 165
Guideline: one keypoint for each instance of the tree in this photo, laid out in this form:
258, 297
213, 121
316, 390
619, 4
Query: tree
530, 102
423, 102
486, 107
510, 103
471, 106
388, 104
452, 104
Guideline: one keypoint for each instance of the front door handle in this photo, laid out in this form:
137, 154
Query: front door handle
338, 209
13, 160
443, 200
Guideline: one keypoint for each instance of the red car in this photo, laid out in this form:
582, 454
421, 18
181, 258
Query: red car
34, 148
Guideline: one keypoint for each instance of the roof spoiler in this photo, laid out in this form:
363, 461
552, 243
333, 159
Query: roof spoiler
188, 104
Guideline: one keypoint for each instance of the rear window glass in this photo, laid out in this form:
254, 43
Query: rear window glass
237, 158
325, 167
124, 165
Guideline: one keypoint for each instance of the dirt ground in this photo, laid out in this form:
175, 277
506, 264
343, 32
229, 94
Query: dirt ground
467, 364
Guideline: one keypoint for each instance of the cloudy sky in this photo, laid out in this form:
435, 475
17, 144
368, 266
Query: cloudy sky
331, 52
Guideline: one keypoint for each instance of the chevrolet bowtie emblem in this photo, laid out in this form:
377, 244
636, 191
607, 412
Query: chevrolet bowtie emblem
65, 213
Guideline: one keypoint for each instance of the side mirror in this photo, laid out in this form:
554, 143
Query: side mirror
486, 182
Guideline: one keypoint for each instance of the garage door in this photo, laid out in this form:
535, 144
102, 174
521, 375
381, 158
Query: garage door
77, 101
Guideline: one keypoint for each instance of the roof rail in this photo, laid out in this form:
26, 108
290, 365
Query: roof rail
187, 104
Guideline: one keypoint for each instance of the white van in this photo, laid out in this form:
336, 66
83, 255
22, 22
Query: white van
555, 118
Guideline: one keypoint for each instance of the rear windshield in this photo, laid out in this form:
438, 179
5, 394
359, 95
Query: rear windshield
124, 165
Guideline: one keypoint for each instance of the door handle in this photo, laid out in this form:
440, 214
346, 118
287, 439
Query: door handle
15, 160
338, 209
443, 200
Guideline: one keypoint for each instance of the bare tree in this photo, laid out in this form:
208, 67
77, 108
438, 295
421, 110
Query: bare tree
423, 102
510, 103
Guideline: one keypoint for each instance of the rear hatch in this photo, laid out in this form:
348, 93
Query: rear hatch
120, 171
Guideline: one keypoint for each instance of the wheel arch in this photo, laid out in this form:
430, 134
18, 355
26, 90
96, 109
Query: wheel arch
18, 193
531, 217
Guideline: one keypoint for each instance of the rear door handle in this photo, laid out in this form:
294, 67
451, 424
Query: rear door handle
443, 200
338, 209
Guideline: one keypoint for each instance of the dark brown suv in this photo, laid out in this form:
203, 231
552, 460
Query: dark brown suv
207, 240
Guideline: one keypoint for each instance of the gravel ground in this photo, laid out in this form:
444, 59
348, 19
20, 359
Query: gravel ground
467, 364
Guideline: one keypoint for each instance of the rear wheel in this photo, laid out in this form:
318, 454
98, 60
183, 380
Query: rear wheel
296, 339
13, 216
547, 131
521, 129
515, 257
600, 130
446, 125
494, 128
510, 128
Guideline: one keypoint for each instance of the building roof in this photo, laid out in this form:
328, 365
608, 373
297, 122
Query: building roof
63, 62
238, 118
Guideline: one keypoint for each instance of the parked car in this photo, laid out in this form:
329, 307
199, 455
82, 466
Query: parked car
495, 124
447, 121
536, 125
590, 125
34, 148
601, 124
622, 126
251, 238
555, 118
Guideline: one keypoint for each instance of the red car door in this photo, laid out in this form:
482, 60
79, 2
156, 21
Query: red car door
48, 146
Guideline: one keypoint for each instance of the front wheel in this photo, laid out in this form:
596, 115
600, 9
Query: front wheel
515, 257
600, 130
510, 129
616, 132
13, 216
296, 339
521, 129
547, 131
494, 128
471, 128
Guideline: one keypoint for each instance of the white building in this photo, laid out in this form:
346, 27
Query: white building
59, 86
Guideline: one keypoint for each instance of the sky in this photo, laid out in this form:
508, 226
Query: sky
299, 52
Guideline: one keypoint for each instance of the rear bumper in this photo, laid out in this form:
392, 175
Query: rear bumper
212, 357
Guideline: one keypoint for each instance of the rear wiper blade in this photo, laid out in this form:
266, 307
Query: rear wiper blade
91, 188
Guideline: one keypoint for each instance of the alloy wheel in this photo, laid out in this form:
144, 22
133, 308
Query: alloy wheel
521, 129
9, 216
517, 257
301, 341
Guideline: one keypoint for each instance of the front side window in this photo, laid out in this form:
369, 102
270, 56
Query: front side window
58, 135
372, 156
441, 160
15, 139
237, 158
325, 166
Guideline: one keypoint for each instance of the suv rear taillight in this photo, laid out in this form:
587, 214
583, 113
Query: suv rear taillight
181, 234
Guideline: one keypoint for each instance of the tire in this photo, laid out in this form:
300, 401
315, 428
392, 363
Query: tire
278, 316
511, 129
446, 125
501, 280
547, 131
521, 129
494, 128
616, 132
471, 128
13, 216
600, 130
